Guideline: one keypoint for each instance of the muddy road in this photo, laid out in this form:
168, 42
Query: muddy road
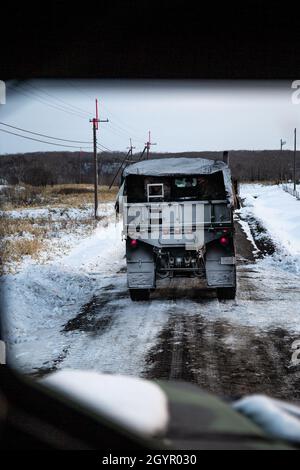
232, 347
226, 357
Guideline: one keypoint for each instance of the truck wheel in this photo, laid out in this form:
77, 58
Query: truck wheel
139, 294
226, 293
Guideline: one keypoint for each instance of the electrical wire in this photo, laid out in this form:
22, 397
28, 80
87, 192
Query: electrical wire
54, 106
44, 135
76, 108
103, 147
43, 141
79, 112
29, 95
113, 128
122, 128
63, 107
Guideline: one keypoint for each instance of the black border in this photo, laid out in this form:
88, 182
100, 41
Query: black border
150, 39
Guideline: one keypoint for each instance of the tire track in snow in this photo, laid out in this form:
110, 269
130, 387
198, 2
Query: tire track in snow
121, 346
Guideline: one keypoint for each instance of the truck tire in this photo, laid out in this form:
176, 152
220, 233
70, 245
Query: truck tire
226, 293
139, 294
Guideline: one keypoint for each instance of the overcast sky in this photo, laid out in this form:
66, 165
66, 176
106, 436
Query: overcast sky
186, 115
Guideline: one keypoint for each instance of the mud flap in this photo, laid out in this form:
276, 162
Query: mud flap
140, 275
140, 267
220, 268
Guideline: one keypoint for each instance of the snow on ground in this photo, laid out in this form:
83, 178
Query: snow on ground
266, 299
60, 213
120, 334
279, 214
65, 227
114, 334
41, 297
290, 185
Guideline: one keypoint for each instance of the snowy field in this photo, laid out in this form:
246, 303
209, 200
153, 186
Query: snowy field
59, 213
74, 311
35, 235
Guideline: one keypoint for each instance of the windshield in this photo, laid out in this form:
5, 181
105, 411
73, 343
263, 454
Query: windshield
196, 279
185, 182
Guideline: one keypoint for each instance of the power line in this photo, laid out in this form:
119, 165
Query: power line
122, 127
114, 128
123, 130
119, 128
103, 147
129, 129
80, 90
59, 99
79, 112
44, 135
64, 107
128, 155
58, 107
114, 132
43, 141
29, 94
125, 133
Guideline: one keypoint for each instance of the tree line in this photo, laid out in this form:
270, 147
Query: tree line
49, 168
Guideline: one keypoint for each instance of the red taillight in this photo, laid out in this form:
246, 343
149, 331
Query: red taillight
224, 240
133, 243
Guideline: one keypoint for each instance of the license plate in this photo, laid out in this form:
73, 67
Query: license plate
228, 260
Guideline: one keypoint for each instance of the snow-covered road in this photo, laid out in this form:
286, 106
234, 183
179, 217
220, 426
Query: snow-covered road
75, 312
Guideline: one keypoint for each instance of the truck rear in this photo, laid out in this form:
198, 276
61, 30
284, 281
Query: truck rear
178, 226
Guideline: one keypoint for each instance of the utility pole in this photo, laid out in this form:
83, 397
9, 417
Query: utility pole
295, 147
126, 160
148, 145
80, 166
95, 122
130, 148
282, 143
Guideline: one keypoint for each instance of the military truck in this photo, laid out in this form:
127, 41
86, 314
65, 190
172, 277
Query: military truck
178, 226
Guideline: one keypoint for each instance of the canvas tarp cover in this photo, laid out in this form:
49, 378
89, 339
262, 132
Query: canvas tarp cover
181, 166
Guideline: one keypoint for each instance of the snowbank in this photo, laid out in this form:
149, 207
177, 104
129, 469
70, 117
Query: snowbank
40, 298
279, 213
84, 286
138, 404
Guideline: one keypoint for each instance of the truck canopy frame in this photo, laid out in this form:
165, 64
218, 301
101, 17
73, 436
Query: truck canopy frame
180, 167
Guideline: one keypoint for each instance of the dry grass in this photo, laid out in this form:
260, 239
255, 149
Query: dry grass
64, 195
21, 237
14, 250
263, 182
26, 236
19, 227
